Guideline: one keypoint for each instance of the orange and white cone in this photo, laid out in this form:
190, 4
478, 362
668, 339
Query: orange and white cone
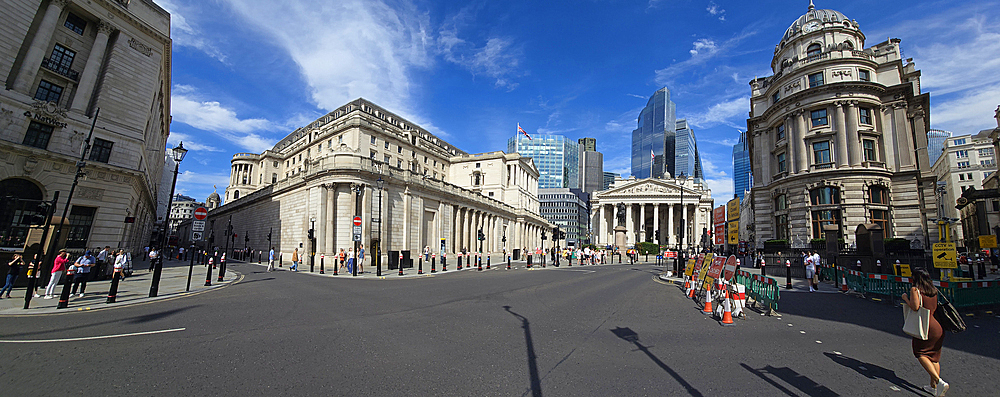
690, 291
708, 302
727, 313
687, 283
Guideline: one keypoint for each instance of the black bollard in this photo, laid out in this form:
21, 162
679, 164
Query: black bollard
459, 261
508, 262
208, 279
322, 265
116, 275
479, 262
335, 266
260, 254
64, 296
222, 269
279, 260
487, 262
433, 263
420, 265
788, 274
529, 261
400, 264
444, 262
190, 274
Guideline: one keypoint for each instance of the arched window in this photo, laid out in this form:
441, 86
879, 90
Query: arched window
848, 45
236, 194
813, 49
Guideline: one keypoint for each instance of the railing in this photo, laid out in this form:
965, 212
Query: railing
762, 289
60, 69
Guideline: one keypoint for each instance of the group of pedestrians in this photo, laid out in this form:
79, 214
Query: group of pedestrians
82, 269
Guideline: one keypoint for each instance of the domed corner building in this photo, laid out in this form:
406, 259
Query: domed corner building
839, 137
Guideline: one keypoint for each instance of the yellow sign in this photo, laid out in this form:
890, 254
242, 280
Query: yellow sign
945, 256
703, 272
689, 269
988, 241
904, 270
733, 210
734, 233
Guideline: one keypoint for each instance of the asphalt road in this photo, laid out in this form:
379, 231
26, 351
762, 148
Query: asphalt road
608, 330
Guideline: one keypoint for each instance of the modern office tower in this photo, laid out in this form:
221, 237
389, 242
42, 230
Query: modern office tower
591, 166
741, 166
836, 137
60, 62
556, 157
687, 161
654, 136
935, 144
609, 178
569, 209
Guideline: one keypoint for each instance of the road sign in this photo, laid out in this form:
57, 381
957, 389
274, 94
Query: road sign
989, 241
195, 236
945, 256
357, 237
201, 213
357, 221
198, 226
356, 230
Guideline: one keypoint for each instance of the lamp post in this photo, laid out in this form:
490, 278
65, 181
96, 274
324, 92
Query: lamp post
377, 257
177, 153
312, 245
358, 190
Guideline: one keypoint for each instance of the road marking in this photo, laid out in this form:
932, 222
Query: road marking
575, 270
162, 331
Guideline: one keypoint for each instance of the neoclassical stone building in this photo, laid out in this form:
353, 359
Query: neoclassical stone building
432, 194
839, 137
60, 61
653, 204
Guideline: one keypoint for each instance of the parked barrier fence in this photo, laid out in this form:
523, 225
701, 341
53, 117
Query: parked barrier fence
961, 294
762, 289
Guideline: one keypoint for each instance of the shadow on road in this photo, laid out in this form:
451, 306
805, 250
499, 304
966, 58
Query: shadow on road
536, 382
130, 320
872, 371
254, 281
801, 382
630, 336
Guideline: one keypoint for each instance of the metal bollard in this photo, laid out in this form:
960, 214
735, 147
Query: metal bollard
479, 262
487, 262
279, 259
400, 263
208, 279
420, 265
113, 292
529, 261
433, 260
788, 274
322, 266
444, 262
508, 262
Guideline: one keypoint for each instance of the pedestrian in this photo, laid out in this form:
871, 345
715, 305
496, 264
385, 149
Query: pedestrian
361, 258
810, 270
102, 261
340, 259
180, 253
13, 270
154, 254
33, 267
147, 254
270, 260
927, 352
350, 260
427, 254
83, 265
121, 260
295, 261
58, 268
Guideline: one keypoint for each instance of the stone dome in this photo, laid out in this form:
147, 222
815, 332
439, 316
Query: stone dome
214, 197
811, 14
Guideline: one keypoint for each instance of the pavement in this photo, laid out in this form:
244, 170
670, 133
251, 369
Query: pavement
132, 290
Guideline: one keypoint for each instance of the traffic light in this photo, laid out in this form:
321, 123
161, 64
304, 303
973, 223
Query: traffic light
269, 237
656, 235
555, 232
312, 235
246, 237
481, 235
504, 239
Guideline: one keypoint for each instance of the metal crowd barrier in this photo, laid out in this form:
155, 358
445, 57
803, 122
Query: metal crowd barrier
762, 289
961, 294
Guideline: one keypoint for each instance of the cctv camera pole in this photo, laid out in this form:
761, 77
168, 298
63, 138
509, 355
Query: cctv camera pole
76, 179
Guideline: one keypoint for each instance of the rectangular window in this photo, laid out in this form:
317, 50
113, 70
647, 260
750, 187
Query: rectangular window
962, 154
374, 140
387, 159
780, 203
274, 178
987, 174
818, 117
781, 162
48, 92
75, 23
864, 75
80, 221
823, 218
399, 149
386, 145
881, 218
821, 153
868, 147
996, 205
399, 164
865, 116
963, 164
371, 154
61, 60
775, 97
986, 152
815, 79
101, 151
779, 132
958, 141
986, 162
781, 227
38, 135
961, 177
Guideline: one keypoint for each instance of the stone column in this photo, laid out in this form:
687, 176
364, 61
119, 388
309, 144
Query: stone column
602, 228
629, 224
407, 201
642, 223
39, 47
329, 239
670, 224
321, 220
89, 77
656, 221
791, 134
841, 131
853, 141
801, 151
888, 124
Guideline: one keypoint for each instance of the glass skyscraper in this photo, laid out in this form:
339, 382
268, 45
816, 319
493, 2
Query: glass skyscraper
661, 144
935, 144
556, 157
741, 166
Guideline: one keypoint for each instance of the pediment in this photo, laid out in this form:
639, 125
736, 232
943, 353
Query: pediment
647, 187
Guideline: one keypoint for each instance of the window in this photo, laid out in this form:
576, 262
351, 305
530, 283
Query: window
815, 79
865, 116
477, 165
476, 179
236, 195
986, 162
781, 203
374, 140
863, 75
781, 227
987, 174
276, 163
986, 152
962, 154
61, 60
868, 147
80, 221
878, 195
963, 164
340, 140
968, 176
823, 218
386, 145
388, 159
961, 177
372, 154
818, 117
399, 149
881, 218
825, 195
399, 164
775, 97
781, 162
779, 132
821, 153
38, 135
813, 49
75, 23
101, 151
48, 92
996, 205
274, 178
958, 141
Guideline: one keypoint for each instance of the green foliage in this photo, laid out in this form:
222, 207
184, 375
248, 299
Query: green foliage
776, 242
647, 248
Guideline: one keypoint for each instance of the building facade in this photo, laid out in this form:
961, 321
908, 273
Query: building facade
557, 159
686, 160
653, 140
609, 178
181, 209
680, 208
591, 166
935, 144
837, 137
741, 166
61, 61
569, 210
410, 188
966, 164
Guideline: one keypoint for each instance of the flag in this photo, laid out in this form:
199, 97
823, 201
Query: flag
652, 156
521, 130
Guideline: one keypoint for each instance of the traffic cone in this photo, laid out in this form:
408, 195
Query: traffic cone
727, 313
843, 283
687, 283
708, 303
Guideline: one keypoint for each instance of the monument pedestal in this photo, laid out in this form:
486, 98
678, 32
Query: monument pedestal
620, 239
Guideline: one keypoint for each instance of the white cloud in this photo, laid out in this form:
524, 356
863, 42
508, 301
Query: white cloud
189, 143
969, 113
183, 33
715, 10
187, 108
703, 45
703, 50
721, 113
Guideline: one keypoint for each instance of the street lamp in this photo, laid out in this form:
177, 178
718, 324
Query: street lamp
177, 153
377, 257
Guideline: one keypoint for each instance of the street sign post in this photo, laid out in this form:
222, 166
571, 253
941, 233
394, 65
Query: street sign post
198, 226
356, 229
196, 236
201, 213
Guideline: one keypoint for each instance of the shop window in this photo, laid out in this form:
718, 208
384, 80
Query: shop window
81, 219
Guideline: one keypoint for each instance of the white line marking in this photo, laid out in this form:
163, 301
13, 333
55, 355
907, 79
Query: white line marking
162, 331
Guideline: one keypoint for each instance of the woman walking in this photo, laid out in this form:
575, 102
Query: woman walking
13, 271
927, 352
58, 267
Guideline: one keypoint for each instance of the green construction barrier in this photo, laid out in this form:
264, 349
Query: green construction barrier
761, 288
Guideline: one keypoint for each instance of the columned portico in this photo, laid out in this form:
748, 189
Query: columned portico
671, 201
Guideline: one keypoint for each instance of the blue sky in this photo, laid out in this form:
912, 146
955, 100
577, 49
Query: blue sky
248, 72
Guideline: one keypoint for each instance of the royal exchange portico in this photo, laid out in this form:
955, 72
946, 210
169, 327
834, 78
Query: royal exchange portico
646, 205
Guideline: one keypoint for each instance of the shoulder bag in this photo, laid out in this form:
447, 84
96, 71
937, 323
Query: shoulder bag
948, 316
916, 323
